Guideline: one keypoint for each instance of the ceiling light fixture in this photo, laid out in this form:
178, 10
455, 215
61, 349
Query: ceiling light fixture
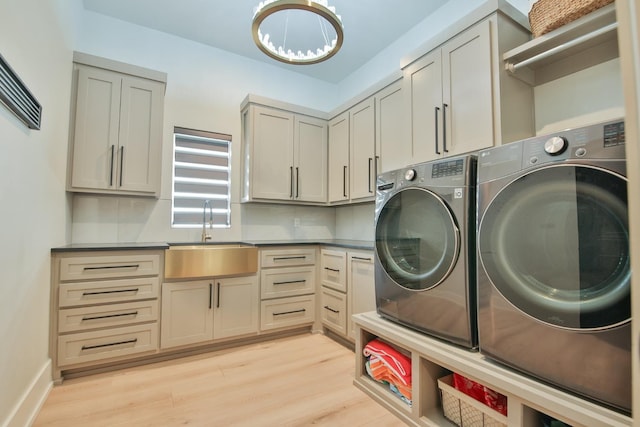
328, 39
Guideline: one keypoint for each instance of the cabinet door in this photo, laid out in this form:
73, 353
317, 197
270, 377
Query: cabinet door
310, 159
362, 296
362, 150
423, 87
339, 158
272, 163
237, 302
392, 143
187, 313
140, 141
467, 94
96, 129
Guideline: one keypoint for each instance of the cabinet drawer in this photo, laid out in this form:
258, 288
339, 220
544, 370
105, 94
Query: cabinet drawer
98, 345
334, 310
333, 269
108, 291
286, 282
284, 312
111, 315
287, 257
109, 266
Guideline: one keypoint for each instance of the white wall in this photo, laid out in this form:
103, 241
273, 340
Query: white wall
35, 39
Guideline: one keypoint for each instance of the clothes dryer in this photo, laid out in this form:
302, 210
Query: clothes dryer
425, 248
553, 260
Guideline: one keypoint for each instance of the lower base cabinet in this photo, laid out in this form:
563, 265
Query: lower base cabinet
529, 402
196, 312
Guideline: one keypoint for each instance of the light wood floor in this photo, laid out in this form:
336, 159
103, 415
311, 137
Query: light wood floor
294, 381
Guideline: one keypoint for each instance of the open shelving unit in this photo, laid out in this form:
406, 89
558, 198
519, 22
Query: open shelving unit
431, 359
585, 42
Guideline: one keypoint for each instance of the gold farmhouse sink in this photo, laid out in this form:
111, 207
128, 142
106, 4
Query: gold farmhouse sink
194, 261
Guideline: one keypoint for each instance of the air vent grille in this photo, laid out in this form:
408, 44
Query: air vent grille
15, 95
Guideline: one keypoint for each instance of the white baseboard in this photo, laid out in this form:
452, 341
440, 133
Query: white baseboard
29, 404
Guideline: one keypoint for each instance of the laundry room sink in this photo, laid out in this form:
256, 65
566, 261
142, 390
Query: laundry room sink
198, 261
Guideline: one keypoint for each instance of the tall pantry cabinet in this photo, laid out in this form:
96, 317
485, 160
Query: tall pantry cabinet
458, 96
116, 129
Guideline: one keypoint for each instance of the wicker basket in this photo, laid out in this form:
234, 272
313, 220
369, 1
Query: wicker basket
465, 411
547, 15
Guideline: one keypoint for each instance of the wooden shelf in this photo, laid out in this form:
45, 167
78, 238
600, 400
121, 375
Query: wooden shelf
433, 358
583, 43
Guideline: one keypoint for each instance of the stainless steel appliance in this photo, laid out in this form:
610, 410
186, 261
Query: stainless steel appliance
425, 248
553, 260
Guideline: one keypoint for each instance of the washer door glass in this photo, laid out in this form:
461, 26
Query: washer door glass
417, 239
555, 243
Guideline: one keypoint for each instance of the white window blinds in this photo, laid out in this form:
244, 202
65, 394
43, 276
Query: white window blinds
201, 172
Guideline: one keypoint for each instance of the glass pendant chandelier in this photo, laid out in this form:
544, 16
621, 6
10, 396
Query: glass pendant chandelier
297, 31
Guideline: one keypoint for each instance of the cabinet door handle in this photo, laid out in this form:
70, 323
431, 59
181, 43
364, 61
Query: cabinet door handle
210, 296
109, 316
291, 182
297, 182
444, 127
117, 291
121, 163
113, 147
302, 310
107, 267
91, 347
288, 257
361, 258
369, 177
289, 282
332, 269
344, 181
376, 161
436, 123
218, 295
331, 309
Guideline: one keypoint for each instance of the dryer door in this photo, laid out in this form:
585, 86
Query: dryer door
555, 243
417, 239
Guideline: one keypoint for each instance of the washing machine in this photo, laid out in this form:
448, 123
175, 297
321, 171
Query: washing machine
425, 248
553, 260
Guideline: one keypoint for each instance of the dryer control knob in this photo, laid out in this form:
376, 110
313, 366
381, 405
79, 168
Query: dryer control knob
556, 145
410, 174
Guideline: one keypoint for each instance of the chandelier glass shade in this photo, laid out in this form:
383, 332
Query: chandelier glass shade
297, 31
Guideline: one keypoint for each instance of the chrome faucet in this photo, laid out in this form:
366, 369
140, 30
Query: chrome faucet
206, 236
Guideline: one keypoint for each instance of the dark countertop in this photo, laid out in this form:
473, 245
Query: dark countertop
89, 247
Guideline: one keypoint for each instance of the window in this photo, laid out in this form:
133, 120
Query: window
201, 173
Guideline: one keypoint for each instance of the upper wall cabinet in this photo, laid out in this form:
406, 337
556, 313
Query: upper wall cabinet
116, 128
365, 139
459, 98
284, 155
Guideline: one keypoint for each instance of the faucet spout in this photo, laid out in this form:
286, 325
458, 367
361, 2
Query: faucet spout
205, 236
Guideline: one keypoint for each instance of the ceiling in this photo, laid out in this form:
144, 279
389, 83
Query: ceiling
369, 26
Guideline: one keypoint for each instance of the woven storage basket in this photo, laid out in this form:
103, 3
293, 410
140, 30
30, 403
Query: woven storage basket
465, 411
547, 15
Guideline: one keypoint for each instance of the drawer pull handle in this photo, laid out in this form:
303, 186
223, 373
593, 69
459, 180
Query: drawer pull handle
331, 309
289, 282
289, 257
361, 258
302, 310
107, 267
332, 269
91, 347
117, 291
108, 316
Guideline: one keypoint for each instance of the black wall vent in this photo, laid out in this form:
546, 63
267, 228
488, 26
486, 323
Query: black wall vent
15, 95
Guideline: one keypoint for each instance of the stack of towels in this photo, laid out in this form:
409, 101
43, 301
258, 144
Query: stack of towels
387, 365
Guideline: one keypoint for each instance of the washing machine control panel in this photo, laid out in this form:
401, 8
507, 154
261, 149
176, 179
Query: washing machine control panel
447, 168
